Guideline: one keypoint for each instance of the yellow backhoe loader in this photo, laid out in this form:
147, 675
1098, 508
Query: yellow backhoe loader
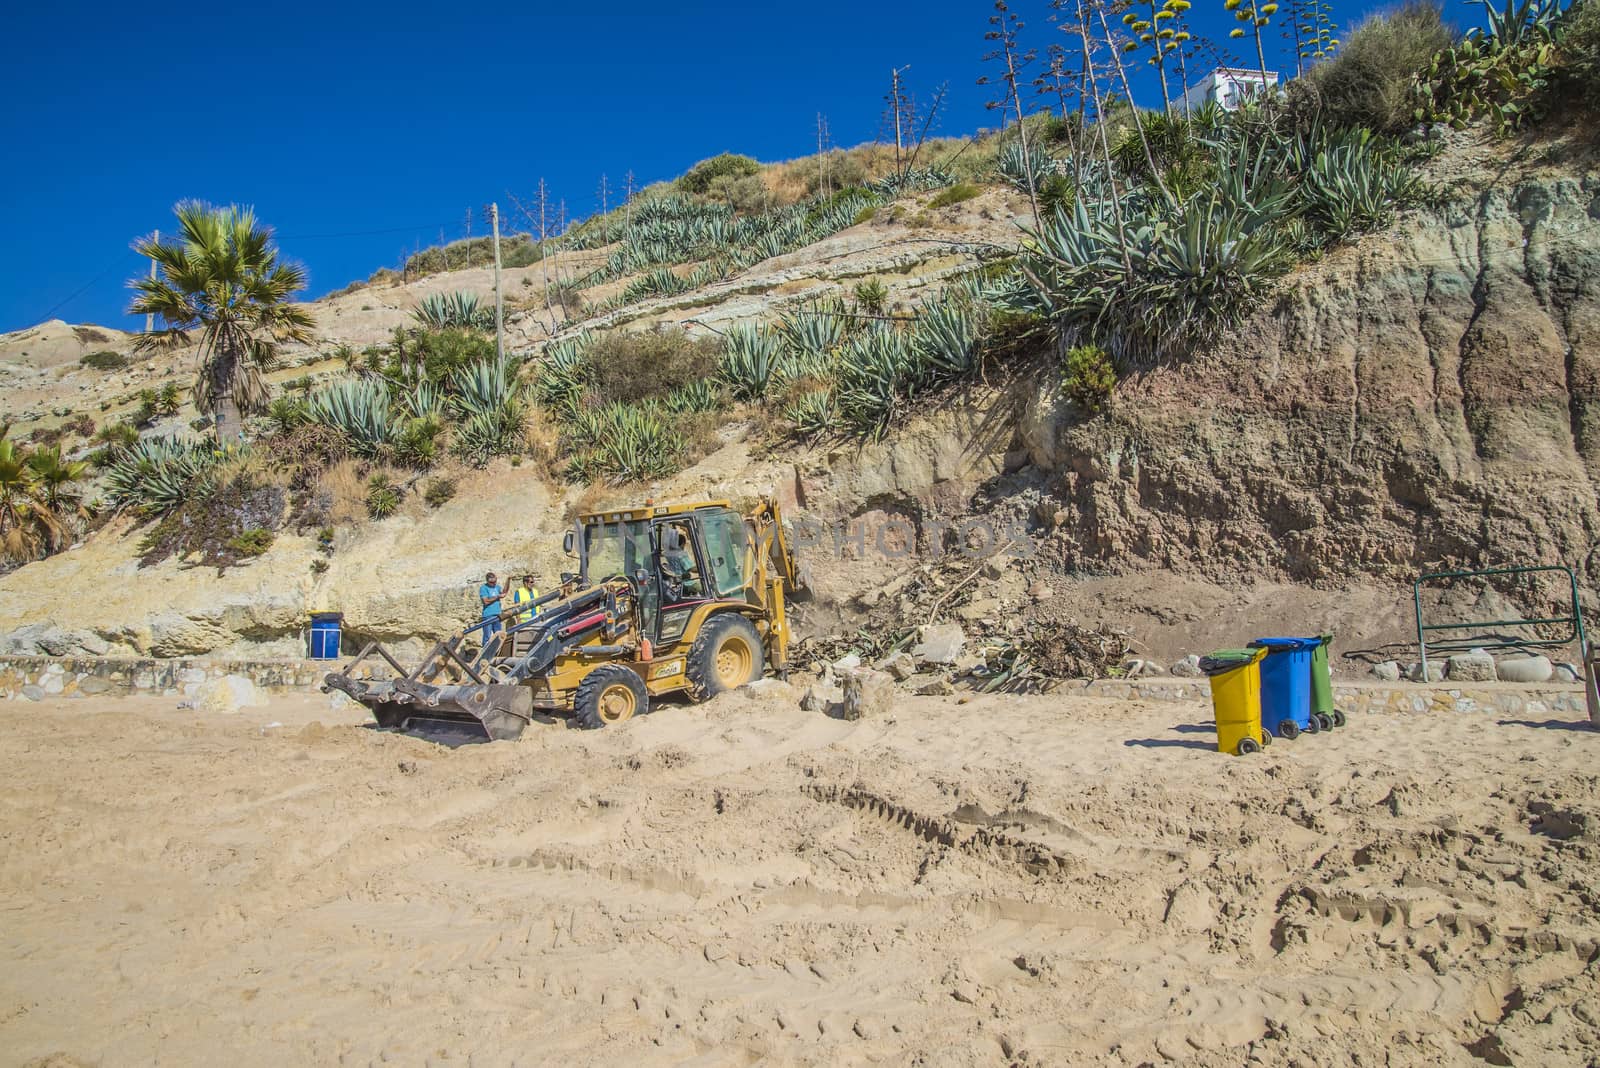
666, 599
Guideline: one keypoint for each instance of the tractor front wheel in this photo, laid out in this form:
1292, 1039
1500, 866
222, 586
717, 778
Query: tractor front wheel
609, 695
725, 655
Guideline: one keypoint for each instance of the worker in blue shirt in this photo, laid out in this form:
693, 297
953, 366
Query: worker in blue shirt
489, 595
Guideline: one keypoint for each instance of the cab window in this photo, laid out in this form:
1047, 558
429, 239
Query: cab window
726, 545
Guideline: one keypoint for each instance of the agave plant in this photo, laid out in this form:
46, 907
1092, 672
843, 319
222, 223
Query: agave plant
945, 341
286, 413
875, 367
1015, 165
660, 282
813, 331
158, 474
461, 309
1518, 22
701, 395
1354, 187
750, 360
487, 399
813, 414
360, 410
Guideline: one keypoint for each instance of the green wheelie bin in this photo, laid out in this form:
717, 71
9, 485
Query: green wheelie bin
1322, 683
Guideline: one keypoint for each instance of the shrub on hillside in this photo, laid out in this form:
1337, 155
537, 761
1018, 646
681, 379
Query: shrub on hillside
104, 360
1368, 82
630, 367
1578, 77
954, 194
1088, 377
728, 165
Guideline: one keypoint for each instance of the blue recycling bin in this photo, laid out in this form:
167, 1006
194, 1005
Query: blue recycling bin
326, 632
1286, 686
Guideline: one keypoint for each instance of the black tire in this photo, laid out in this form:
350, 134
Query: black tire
726, 654
1339, 718
1288, 730
1266, 738
1324, 721
608, 695
1248, 746
1313, 725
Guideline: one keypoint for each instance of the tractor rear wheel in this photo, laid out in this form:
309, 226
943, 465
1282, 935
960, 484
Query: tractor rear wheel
609, 695
725, 655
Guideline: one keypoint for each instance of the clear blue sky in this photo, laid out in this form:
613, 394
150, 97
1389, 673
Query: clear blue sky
360, 132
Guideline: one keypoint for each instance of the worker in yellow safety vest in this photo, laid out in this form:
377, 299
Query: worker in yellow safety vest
524, 594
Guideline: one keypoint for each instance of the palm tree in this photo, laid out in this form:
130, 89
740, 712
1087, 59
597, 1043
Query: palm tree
223, 278
29, 526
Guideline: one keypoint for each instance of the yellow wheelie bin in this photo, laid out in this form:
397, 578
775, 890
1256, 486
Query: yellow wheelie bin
1235, 676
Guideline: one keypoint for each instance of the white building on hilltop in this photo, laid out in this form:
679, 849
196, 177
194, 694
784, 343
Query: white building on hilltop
1228, 86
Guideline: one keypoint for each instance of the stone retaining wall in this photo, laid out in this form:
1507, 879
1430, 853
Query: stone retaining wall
37, 677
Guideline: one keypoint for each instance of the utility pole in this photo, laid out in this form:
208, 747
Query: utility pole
895, 102
150, 320
499, 322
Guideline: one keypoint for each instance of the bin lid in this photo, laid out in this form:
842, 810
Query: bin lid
1225, 660
327, 615
1285, 645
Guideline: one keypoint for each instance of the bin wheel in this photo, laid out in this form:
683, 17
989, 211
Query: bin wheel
1312, 725
1324, 721
1338, 718
1288, 730
1266, 737
1248, 746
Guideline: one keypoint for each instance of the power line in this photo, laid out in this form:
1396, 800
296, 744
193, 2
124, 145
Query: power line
81, 290
361, 233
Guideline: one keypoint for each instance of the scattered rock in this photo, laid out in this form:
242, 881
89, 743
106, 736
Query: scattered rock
1138, 668
929, 685
868, 694
1187, 668
1528, 669
900, 665
820, 696
229, 694
1568, 673
1435, 672
1475, 666
33, 693
979, 608
1388, 671
338, 700
940, 643
846, 663
769, 687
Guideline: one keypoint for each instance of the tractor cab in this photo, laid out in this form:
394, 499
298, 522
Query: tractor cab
675, 558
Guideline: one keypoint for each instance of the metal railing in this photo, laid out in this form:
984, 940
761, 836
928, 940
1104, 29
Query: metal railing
1573, 622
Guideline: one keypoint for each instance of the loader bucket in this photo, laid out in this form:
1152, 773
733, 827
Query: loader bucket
500, 711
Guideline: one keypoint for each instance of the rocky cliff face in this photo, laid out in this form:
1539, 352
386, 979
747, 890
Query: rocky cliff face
1428, 396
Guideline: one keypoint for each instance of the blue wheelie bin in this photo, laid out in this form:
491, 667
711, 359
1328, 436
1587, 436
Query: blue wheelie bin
1286, 686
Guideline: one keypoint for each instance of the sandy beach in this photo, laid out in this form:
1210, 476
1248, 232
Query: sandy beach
1039, 880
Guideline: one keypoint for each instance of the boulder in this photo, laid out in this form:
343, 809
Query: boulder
868, 694
929, 685
1530, 669
900, 665
1187, 668
845, 663
1435, 672
820, 697
228, 695
1388, 671
939, 643
93, 644
1568, 673
1474, 666
55, 642
24, 641
33, 693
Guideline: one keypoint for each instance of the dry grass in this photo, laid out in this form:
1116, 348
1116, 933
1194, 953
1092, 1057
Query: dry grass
344, 487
